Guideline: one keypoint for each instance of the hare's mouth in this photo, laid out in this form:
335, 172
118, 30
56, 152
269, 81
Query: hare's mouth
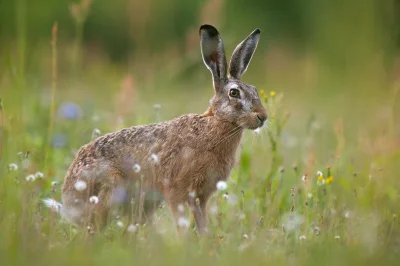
252, 121
253, 125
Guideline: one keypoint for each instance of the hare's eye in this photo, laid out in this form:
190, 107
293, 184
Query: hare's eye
234, 93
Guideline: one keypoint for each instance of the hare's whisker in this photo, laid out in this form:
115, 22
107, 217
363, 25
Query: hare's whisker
230, 135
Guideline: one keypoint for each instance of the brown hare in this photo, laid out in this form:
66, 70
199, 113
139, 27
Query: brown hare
180, 160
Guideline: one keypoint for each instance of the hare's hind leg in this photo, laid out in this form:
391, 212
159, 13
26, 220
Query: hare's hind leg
91, 206
108, 198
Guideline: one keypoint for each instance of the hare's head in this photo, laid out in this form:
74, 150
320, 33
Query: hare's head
234, 101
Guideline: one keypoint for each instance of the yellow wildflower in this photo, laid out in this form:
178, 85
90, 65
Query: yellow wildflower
272, 93
320, 177
265, 97
329, 179
262, 92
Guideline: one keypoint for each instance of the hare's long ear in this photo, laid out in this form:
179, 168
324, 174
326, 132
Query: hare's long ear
242, 55
212, 50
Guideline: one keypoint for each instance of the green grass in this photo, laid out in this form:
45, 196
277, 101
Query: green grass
271, 216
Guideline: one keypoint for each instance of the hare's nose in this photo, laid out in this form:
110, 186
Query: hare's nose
262, 117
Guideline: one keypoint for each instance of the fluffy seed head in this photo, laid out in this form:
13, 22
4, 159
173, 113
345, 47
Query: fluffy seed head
52, 204
96, 131
136, 168
132, 228
80, 185
30, 178
120, 224
183, 222
12, 167
221, 185
154, 158
94, 199
181, 208
39, 175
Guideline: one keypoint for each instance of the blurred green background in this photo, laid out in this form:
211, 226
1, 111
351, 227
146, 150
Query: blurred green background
344, 40
310, 48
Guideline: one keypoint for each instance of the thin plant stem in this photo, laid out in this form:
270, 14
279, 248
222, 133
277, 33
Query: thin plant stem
53, 89
1, 129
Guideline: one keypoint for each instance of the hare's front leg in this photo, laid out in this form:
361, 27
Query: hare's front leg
198, 206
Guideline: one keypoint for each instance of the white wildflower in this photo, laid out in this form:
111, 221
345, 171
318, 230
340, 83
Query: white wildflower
319, 173
154, 158
12, 167
245, 236
302, 237
39, 175
183, 222
226, 196
304, 178
337, 237
132, 228
222, 185
120, 224
94, 199
54, 183
136, 168
80, 185
310, 195
52, 204
30, 178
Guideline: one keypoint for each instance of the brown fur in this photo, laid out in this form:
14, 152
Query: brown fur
181, 160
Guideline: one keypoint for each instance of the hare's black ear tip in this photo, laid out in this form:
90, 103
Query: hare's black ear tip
208, 28
256, 31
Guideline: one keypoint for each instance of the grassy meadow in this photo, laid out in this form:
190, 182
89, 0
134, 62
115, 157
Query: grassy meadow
318, 185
